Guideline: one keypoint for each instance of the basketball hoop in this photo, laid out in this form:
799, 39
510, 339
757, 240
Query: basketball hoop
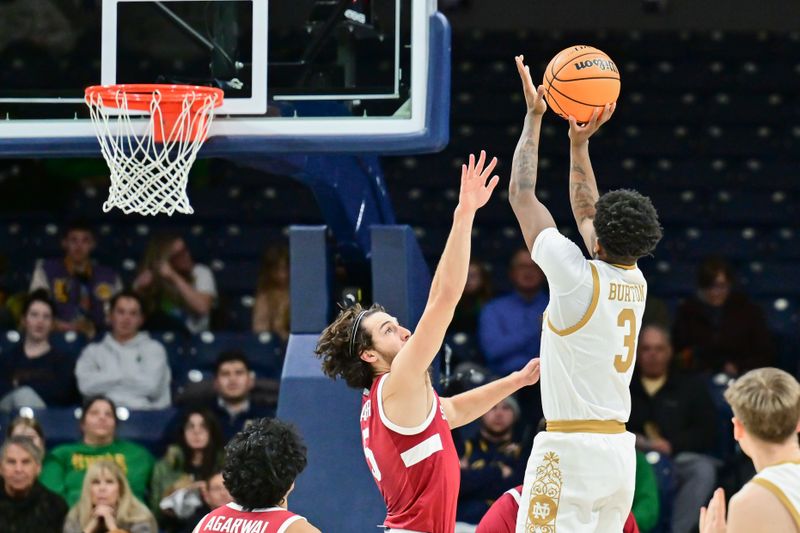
150, 158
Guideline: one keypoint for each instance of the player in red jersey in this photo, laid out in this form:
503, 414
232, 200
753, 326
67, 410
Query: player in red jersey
261, 464
502, 515
405, 426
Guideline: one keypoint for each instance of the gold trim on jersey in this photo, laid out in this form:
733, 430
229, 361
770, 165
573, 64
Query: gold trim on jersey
544, 496
624, 267
775, 490
589, 312
608, 427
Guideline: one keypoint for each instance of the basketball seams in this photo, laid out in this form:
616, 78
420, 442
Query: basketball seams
602, 54
576, 101
552, 101
566, 63
590, 78
554, 94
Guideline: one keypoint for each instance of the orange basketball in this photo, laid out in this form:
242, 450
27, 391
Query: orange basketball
580, 79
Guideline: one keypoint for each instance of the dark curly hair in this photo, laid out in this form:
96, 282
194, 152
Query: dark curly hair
261, 463
334, 348
212, 453
627, 225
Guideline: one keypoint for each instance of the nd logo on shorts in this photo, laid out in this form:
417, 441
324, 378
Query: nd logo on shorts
544, 496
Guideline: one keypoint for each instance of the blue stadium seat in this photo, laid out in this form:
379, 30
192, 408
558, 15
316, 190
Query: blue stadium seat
236, 275
751, 207
465, 349
734, 244
9, 340
785, 243
669, 278
60, 424
148, 428
68, 342
781, 279
264, 351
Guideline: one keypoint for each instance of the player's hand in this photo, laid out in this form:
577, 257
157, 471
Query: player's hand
712, 518
534, 97
580, 133
529, 374
475, 192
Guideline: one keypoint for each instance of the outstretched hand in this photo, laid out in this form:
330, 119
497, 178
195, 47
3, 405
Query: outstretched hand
580, 133
475, 192
534, 97
529, 374
712, 519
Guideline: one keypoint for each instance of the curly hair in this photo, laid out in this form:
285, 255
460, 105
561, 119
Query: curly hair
627, 225
261, 463
334, 347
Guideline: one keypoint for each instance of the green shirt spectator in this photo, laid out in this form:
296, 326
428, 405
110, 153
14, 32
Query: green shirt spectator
645, 498
65, 467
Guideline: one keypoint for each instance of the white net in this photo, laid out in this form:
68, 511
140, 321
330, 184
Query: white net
148, 176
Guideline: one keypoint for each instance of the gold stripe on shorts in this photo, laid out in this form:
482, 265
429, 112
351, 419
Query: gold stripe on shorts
586, 426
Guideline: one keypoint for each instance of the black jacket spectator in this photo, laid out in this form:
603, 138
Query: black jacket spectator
40, 511
681, 412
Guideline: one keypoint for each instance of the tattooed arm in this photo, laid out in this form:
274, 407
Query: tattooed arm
583, 193
531, 214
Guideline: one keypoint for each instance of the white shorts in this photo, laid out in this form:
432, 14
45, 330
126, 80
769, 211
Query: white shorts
578, 483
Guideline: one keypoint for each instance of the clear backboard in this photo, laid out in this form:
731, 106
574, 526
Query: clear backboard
298, 75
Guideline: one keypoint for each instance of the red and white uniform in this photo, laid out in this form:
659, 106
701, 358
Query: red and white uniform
502, 515
231, 518
416, 469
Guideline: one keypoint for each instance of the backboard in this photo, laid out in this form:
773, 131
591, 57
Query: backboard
298, 76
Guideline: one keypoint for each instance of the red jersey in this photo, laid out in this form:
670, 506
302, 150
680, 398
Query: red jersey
416, 469
231, 518
502, 515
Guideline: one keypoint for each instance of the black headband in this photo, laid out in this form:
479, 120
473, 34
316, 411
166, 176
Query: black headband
353, 334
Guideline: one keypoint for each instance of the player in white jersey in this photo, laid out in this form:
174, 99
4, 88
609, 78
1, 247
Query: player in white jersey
766, 420
581, 472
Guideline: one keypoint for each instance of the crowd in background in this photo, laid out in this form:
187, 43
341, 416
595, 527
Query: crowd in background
685, 358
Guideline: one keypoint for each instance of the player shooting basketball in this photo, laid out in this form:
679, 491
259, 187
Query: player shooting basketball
580, 475
405, 426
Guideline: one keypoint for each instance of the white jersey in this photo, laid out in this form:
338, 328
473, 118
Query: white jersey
590, 332
783, 481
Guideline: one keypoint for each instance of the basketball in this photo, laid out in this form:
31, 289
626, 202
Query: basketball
580, 79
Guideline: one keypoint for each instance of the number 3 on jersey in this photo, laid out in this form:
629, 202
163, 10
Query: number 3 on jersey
626, 319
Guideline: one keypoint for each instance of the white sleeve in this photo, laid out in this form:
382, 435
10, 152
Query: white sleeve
204, 280
561, 260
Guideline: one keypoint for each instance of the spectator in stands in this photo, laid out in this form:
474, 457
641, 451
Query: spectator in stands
233, 382
127, 366
65, 466
178, 293
34, 374
25, 505
673, 414
271, 307
477, 292
720, 329
108, 505
492, 462
80, 287
214, 495
509, 328
510, 325
196, 455
27, 427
